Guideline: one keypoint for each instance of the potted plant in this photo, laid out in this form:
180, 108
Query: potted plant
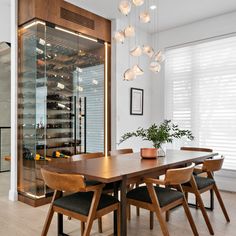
158, 135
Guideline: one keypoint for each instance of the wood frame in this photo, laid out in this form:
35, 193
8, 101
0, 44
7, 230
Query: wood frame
75, 18
136, 101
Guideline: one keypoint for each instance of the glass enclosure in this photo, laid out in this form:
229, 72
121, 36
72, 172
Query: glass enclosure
60, 100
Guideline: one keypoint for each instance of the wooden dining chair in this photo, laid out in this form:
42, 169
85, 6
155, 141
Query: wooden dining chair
108, 187
199, 185
86, 203
84, 156
120, 151
161, 199
198, 171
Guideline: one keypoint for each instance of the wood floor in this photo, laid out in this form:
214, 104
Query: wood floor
19, 219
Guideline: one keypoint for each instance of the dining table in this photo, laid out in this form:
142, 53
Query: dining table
125, 169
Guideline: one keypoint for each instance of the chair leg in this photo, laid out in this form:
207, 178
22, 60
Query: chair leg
201, 205
162, 222
190, 218
221, 202
204, 213
167, 216
49, 215
82, 227
137, 211
100, 225
211, 199
48, 221
151, 220
128, 212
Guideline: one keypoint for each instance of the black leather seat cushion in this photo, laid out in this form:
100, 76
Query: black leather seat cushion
164, 195
81, 202
202, 182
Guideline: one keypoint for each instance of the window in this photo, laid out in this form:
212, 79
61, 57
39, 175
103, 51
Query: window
201, 94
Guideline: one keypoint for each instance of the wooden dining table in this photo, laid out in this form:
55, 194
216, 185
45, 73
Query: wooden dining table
127, 168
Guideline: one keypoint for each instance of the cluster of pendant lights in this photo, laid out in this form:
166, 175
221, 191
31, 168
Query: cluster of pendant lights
120, 36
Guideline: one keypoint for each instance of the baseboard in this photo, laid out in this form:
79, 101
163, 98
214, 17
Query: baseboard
226, 180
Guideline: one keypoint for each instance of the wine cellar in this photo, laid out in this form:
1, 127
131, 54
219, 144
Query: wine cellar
62, 100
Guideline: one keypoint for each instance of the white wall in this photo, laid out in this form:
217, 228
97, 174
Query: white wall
5, 21
211, 27
122, 121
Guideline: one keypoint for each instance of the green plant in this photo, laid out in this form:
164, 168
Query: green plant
164, 133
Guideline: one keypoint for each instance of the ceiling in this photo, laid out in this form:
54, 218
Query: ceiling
171, 13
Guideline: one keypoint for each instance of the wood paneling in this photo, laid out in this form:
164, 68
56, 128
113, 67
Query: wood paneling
50, 11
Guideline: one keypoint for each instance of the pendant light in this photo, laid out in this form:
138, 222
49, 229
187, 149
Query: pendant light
144, 17
148, 50
137, 70
136, 52
129, 75
138, 2
159, 56
155, 67
129, 31
125, 7
119, 37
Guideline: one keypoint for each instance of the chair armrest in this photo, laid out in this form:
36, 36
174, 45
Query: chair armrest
155, 181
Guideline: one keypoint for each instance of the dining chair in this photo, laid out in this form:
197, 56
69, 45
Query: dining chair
199, 185
161, 199
109, 188
198, 171
83, 156
86, 203
120, 151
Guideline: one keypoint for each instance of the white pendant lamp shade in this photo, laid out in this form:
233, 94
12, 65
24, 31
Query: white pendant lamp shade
129, 75
137, 70
159, 56
155, 67
136, 52
129, 31
148, 50
119, 37
144, 17
125, 7
138, 2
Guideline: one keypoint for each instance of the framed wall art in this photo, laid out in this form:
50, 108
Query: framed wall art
136, 101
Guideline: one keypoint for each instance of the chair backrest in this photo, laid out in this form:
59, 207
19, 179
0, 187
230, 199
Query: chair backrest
63, 182
211, 165
120, 151
196, 149
87, 156
179, 175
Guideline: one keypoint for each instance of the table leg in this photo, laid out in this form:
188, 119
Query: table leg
116, 189
60, 225
123, 200
60, 222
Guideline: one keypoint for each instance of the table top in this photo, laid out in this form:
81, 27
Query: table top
110, 169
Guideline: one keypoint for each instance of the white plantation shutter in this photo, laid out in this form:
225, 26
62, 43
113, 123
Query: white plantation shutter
201, 94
